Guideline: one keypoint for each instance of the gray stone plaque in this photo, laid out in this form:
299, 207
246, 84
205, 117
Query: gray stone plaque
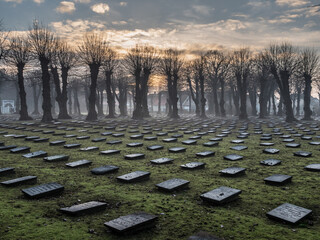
20, 181
278, 179
56, 158
6, 171
110, 152
134, 176
221, 195
162, 161
173, 184
313, 167
79, 163
44, 190
271, 150
270, 162
85, 208
302, 154
20, 150
134, 156
233, 171
155, 147
104, 170
193, 165
36, 154
177, 149
233, 157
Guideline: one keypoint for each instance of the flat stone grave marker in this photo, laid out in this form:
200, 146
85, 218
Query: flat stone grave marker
131, 223
298, 135
70, 136
189, 142
302, 154
161, 134
169, 140
242, 136
31, 138
56, 158
205, 154
85, 208
177, 149
40, 140
221, 195
20, 150
289, 213
6, 171
114, 142
79, 163
270, 162
314, 143
36, 154
106, 133
177, 135
20, 136
48, 132
135, 144
59, 134
293, 145
288, 140
285, 136
203, 236
134, 176
233, 157
133, 131
266, 144
20, 181
83, 137
216, 139
117, 134
134, 156
93, 132
104, 170
194, 137
162, 161
239, 148
98, 140
155, 147
8, 147
43, 190
233, 171
265, 138
193, 165
57, 143
278, 179
88, 149
110, 152
313, 167
237, 141
150, 138
70, 129
188, 132
306, 138
136, 136
210, 144
72, 145
271, 150
173, 185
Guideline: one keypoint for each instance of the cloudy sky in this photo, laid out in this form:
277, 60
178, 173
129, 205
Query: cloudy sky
185, 24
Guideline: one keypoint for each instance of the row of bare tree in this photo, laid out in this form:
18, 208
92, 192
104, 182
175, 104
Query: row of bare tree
280, 68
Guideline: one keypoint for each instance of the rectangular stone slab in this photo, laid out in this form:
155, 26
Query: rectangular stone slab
8, 147
110, 152
131, 223
134, 156
79, 163
6, 170
134, 176
44, 190
278, 179
88, 149
161, 161
72, 145
20, 150
289, 213
40, 140
173, 184
193, 165
232, 171
56, 143
104, 170
98, 140
56, 158
221, 195
36, 154
20, 181
84, 208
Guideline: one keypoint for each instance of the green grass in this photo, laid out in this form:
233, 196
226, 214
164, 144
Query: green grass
180, 214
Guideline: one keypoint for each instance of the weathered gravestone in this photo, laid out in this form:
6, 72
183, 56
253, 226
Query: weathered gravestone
270, 162
221, 195
233, 171
155, 147
302, 154
6, 171
31, 138
88, 149
110, 152
278, 179
134, 156
56, 158
20, 181
57, 143
239, 148
98, 140
193, 165
8, 147
72, 145
233, 157
177, 149
135, 144
104, 170
131, 223
205, 154
40, 140
173, 185
20, 150
293, 145
136, 176
36, 154
79, 163
189, 142
210, 144
114, 142
162, 161
85, 208
289, 213
271, 150
44, 190
313, 167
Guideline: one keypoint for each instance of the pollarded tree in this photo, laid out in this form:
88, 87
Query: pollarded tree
92, 52
308, 68
170, 65
192, 79
241, 65
19, 55
199, 66
282, 62
109, 65
43, 42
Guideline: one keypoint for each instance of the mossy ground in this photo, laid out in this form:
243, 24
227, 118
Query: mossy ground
180, 214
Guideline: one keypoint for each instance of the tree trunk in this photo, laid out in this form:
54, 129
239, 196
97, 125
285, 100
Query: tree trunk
70, 100
253, 101
242, 88
94, 71
203, 99
298, 101
110, 96
235, 100
307, 98
22, 93
215, 99
286, 97
222, 102
144, 92
63, 111
159, 102
138, 111
46, 91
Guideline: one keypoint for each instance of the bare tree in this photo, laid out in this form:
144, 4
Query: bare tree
42, 41
241, 65
282, 61
170, 65
3, 39
92, 52
192, 79
308, 68
109, 65
19, 56
199, 66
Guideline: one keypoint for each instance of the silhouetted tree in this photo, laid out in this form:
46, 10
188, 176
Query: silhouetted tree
199, 65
